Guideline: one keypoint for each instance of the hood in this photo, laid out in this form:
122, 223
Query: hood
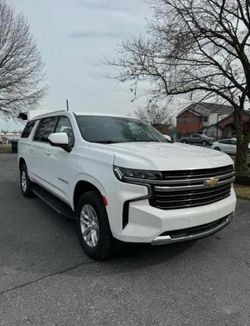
167, 156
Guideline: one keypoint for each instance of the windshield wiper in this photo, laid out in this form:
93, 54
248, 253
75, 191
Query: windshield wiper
105, 142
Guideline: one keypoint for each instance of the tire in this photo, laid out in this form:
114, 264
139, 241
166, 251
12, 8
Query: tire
217, 149
97, 242
204, 143
184, 141
25, 182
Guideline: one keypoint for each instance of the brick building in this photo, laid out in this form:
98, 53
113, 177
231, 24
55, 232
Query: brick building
199, 117
226, 127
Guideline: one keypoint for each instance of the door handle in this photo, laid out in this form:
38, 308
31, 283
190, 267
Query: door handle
48, 153
32, 149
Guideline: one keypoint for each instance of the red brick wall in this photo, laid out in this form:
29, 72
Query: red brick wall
188, 123
228, 125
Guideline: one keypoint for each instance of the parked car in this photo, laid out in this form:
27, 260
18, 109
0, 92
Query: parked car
198, 139
227, 145
121, 179
168, 138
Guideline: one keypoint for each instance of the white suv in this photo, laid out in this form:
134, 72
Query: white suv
121, 179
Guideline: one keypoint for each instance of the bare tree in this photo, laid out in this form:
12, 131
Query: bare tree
20, 64
196, 47
154, 114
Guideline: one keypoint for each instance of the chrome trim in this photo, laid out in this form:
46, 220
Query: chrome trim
222, 193
160, 240
207, 174
208, 191
191, 187
188, 181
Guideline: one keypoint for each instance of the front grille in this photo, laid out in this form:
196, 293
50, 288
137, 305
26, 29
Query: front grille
182, 189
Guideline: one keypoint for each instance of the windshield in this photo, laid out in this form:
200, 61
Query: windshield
108, 130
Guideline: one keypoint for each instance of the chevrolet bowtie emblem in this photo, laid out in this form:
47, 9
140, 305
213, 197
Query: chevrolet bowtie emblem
211, 182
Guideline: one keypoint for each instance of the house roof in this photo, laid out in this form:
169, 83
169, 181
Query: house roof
205, 108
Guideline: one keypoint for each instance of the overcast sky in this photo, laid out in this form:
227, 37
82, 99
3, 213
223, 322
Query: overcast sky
74, 37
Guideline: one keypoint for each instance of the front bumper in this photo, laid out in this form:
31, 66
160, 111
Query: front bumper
193, 233
147, 224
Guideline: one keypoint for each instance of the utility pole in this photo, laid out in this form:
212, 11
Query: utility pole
67, 105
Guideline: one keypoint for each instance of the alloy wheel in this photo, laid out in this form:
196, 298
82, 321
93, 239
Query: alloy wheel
24, 181
89, 225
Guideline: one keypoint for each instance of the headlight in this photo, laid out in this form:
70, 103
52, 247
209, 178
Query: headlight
132, 175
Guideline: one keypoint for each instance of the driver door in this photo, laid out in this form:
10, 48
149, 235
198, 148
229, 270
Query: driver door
61, 163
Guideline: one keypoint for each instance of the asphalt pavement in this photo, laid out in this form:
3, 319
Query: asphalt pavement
45, 278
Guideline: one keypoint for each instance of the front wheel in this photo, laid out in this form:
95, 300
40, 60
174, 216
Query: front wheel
93, 226
217, 149
25, 182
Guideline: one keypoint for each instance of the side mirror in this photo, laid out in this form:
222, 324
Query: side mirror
60, 139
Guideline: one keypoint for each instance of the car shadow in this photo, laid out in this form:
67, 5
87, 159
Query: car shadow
126, 257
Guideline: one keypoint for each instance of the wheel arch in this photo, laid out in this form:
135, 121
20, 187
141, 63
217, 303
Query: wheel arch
21, 162
83, 187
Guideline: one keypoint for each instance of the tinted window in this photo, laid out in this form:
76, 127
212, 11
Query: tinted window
232, 141
107, 130
196, 136
45, 128
224, 141
64, 125
28, 128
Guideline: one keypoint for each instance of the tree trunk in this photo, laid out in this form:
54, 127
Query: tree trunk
241, 160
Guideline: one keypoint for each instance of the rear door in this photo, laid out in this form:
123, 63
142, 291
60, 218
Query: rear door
232, 148
225, 145
195, 139
41, 152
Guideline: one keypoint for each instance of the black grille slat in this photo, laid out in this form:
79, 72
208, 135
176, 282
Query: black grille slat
206, 173
175, 197
201, 203
171, 200
192, 192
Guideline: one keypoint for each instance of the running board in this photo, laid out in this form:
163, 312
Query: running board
58, 205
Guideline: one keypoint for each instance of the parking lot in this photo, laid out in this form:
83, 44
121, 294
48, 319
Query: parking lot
45, 279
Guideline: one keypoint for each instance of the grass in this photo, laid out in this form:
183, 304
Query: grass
242, 191
5, 148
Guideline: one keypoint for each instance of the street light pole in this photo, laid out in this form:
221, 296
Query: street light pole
217, 126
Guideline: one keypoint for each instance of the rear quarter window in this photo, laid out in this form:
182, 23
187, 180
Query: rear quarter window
28, 128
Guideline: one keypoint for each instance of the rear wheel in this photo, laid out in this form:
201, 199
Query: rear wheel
204, 143
93, 226
25, 182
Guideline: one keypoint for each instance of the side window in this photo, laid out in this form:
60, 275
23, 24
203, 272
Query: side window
28, 128
45, 128
233, 142
225, 141
64, 125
